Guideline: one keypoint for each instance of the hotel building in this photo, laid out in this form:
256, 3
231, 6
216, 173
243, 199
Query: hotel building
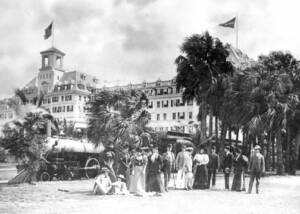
66, 93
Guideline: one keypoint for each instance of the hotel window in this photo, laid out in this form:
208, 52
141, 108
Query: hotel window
79, 98
165, 116
63, 108
69, 108
68, 97
62, 98
190, 115
174, 116
158, 117
59, 109
49, 100
166, 103
150, 105
158, 104
172, 103
190, 103
178, 102
54, 99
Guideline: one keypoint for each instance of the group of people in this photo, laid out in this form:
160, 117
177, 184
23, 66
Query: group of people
145, 172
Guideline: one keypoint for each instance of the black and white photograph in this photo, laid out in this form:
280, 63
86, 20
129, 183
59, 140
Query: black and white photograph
149, 106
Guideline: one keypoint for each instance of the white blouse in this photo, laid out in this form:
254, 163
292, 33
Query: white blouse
201, 159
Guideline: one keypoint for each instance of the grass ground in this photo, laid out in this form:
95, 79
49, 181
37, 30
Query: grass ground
279, 194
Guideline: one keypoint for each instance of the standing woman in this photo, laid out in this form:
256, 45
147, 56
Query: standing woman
154, 181
137, 182
239, 166
201, 175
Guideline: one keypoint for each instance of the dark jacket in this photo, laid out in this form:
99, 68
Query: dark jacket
154, 167
214, 162
227, 162
239, 164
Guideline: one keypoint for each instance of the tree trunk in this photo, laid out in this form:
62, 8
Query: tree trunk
230, 136
288, 165
203, 122
222, 139
268, 153
216, 129
297, 146
210, 129
279, 154
237, 136
273, 151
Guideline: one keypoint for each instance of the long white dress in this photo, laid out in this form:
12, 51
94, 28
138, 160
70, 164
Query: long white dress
137, 178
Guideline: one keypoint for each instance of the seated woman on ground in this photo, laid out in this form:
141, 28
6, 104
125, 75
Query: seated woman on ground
103, 184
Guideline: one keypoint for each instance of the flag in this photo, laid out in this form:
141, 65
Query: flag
48, 31
230, 23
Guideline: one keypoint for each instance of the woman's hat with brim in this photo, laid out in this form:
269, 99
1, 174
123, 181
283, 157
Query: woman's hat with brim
121, 177
104, 169
257, 147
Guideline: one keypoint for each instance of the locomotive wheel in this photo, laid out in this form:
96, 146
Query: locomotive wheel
91, 168
45, 176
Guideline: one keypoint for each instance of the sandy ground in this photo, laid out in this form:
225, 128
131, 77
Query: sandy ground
278, 195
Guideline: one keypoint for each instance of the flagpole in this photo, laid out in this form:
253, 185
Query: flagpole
237, 33
52, 34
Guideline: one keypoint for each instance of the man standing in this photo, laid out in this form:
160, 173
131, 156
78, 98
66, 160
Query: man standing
181, 161
213, 166
256, 168
168, 163
227, 165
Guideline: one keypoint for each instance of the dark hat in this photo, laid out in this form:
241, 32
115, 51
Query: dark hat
169, 145
138, 149
227, 147
214, 147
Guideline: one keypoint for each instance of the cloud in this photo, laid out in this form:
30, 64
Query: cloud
133, 40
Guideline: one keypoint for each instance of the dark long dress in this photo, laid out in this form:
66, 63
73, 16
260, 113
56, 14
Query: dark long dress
239, 165
154, 182
201, 175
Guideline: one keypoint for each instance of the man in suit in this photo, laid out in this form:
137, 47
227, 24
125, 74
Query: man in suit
256, 168
213, 166
227, 166
168, 164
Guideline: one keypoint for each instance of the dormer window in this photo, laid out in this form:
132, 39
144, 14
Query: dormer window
82, 76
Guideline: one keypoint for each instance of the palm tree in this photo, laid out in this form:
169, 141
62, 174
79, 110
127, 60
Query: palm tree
262, 99
202, 70
117, 117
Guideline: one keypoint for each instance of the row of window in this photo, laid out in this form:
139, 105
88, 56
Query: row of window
163, 91
58, 61
45, 76
175, 116
58, 109
166, 103
6, 115
56, 99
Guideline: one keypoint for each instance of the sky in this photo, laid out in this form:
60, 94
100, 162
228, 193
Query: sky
130, 41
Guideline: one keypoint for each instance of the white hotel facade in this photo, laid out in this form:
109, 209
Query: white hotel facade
66, 94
